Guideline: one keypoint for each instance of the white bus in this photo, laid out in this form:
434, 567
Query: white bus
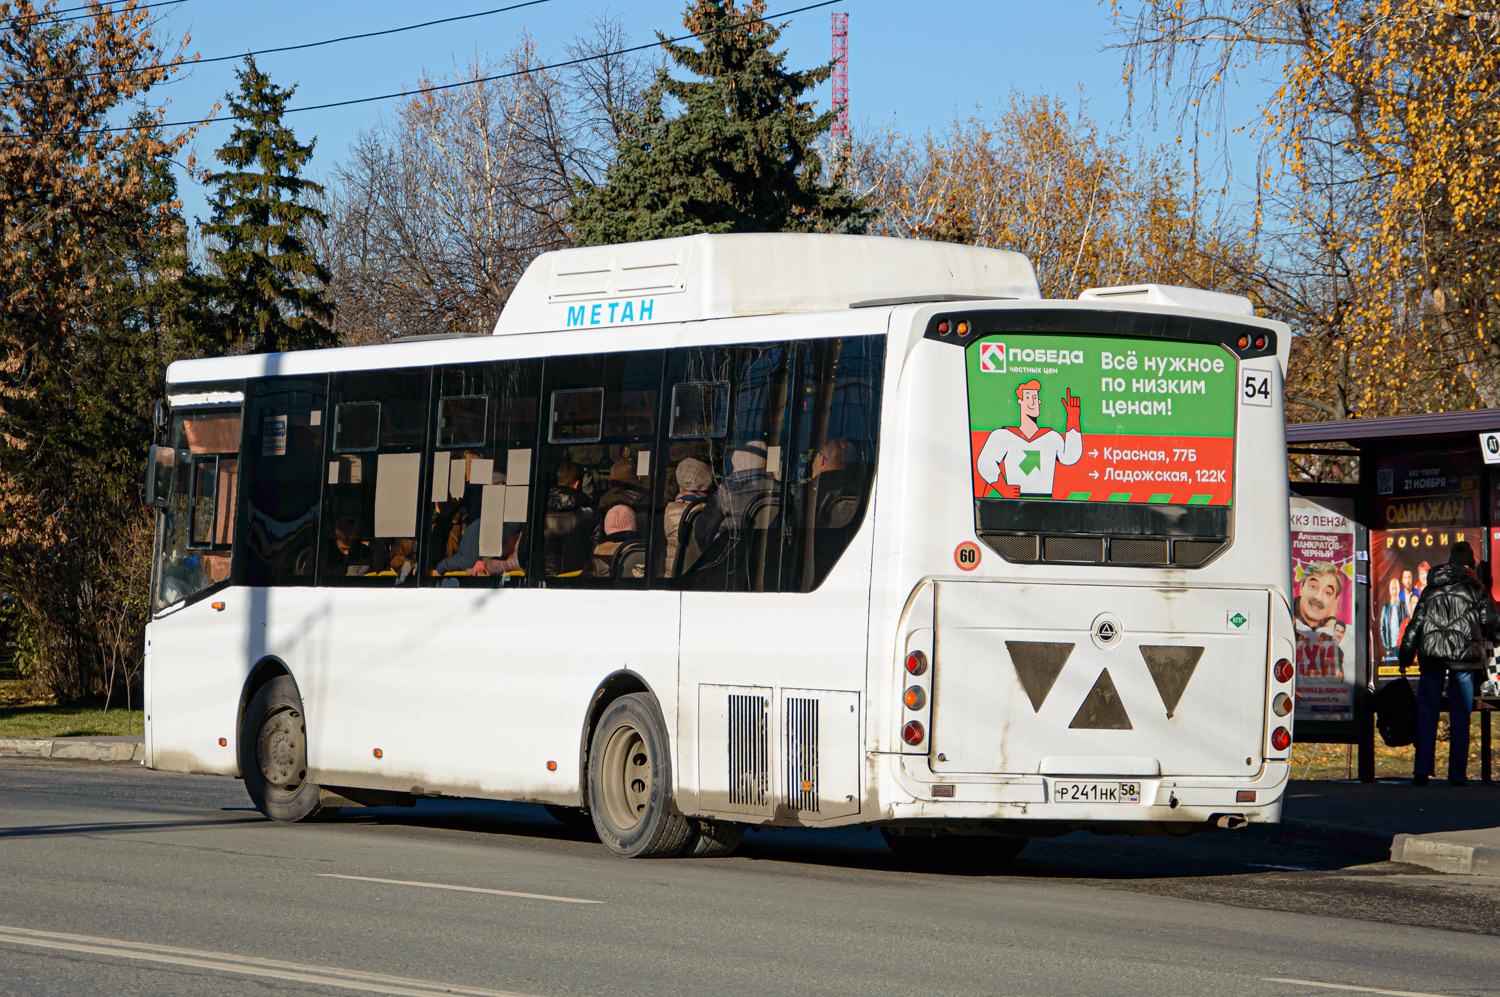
744, 530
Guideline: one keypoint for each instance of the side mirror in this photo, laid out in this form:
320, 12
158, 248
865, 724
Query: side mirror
161, 468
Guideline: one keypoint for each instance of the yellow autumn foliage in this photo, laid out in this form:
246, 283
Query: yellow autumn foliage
1382, 119
1089, 209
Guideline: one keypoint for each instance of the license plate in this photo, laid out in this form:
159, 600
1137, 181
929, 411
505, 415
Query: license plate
1096, 792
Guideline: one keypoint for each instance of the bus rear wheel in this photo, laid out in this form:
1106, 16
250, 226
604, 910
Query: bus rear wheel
942, 852
273, 754
630, 782
714, 839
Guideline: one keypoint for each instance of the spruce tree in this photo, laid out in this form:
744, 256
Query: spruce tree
740, 155
268, 285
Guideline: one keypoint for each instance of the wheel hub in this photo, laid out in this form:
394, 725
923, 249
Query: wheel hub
627, 771
282, 750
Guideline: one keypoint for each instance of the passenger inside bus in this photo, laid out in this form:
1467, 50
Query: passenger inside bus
624, 489
741, 551
622, 554
695, 484
346, 555
569, 522
462, 544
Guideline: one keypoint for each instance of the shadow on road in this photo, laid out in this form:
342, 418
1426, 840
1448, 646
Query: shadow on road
1080, 856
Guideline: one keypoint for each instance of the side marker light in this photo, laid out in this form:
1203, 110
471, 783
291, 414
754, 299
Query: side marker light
223, 742
218, 606
551, 766
379, 753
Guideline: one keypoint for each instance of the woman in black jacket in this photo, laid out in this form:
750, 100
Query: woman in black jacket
1446, 635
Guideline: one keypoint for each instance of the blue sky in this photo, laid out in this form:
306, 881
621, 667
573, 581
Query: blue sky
918, 65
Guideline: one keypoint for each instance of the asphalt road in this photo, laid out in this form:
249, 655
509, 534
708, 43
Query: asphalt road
115, 880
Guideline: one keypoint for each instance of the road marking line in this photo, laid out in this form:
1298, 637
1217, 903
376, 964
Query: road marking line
461, 889
1346, 986
226, 962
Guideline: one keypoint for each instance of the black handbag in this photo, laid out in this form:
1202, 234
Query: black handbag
1396, 713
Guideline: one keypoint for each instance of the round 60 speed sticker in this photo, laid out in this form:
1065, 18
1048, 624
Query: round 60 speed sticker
966, 555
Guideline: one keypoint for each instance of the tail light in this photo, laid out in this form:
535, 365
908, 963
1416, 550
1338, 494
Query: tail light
914, 732
1281, 738
1284, 670
916, 663
1282, 704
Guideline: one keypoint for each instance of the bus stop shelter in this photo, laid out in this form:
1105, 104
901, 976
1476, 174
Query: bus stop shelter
1361, 550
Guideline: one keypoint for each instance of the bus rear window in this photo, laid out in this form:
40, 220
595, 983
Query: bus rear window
1060, 423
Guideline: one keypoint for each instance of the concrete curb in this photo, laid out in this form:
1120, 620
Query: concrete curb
1430, 851
1461, 858
85, 749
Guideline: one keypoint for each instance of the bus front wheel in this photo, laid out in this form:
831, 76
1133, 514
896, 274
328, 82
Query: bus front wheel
273, 754
630, 782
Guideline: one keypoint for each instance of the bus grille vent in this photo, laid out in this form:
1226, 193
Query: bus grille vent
748, 768
1087, 549
1196, 552
802, 754
1013, 546
1123, 551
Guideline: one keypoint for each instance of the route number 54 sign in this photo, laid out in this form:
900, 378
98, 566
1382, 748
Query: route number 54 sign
1255, 387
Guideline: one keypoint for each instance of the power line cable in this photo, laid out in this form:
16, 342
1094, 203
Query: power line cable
443, 86
269, 51
50, 16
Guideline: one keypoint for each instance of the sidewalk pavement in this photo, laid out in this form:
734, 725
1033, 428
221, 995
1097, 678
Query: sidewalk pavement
1440, 827
110, 748
1453, 829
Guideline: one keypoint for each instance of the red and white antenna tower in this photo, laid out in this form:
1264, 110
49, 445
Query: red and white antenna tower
841, 146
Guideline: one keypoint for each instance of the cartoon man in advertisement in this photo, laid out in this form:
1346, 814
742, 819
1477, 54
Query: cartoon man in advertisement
1021, 460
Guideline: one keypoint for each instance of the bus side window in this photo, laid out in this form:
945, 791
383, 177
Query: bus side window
283, 478
837, 431
371, 503
729, 417
480, 500
197, 519
599, 520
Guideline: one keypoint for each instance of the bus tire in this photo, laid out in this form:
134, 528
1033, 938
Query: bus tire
273, 754
714, 839
971, 853
630, 782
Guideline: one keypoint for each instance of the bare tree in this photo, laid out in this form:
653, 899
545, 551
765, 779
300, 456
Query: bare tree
436, 215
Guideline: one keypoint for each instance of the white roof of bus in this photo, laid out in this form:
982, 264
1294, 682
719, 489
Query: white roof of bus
719, 276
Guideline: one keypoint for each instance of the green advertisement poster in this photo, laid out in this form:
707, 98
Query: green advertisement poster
1101, 419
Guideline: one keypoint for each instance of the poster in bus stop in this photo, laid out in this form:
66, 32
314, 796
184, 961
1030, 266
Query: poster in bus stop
1085, 419
1323, 580
1424, 503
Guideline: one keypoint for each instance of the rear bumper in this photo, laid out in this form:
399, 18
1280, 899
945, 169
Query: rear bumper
1164, 799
